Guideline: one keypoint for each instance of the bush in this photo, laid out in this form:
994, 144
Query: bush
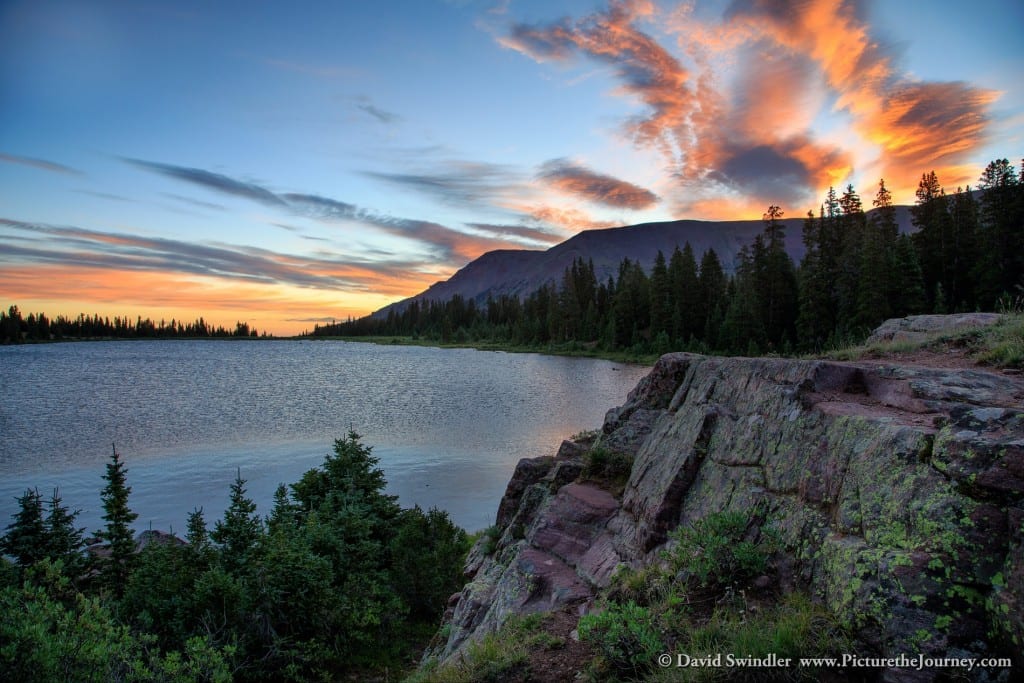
606, 464
626, 636
713, 549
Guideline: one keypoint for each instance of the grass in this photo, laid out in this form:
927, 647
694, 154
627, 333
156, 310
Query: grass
497, 657
1000, 345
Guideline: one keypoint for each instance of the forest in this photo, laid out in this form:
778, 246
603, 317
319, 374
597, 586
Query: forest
337, 580
966, 253
16, 328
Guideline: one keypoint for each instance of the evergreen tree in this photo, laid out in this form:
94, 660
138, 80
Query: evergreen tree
776, 282
64, 539
713, 286
852, 226
1000, 270
117, 533
26, 538
875, 289
240, 529
688, 307
909, 279
661, 297
930, 216
963, 218
816, 319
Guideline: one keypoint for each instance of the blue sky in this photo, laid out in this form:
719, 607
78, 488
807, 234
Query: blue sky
287, 164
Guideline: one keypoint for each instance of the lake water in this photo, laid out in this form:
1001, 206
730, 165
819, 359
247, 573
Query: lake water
448, 425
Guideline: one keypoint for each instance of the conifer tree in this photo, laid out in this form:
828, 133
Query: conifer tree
661, 297
878, 260
64, 539
713, 286
240, 529
26, 537
816, 319
930, 216
117, 533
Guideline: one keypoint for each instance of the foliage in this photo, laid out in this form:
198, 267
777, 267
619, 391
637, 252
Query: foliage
49, 632
39, 327
795, 628
626, 636
607, 465
965, 254
715, 549
496, 657
341, 580
117, 533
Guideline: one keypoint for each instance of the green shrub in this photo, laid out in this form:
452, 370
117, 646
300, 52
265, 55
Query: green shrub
626, 636
714, 551
496, 657
606, 464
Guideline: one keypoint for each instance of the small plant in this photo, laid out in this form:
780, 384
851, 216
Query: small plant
606, 464
585, 435
498, 656
490, 540
714, 551
626, 636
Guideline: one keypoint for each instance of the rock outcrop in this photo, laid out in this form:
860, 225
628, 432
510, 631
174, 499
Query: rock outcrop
898, 493
919, 328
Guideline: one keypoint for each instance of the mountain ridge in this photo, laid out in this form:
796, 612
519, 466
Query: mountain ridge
519, 272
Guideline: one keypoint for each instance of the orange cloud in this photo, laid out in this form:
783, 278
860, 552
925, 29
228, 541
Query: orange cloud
576, 180
277, 308
573, 220
737, 117
916, 126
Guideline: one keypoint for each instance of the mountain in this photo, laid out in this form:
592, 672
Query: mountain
521, 271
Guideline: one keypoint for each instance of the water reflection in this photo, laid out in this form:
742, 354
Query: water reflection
448, 425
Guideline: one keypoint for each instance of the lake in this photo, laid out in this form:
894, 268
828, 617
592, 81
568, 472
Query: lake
448, 425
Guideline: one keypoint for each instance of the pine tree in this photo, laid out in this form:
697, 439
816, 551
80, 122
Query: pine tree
909, 279
875, 288
64, 539
931, 218
239, 531
777, 282
713, 285
26, 537
661, 297
816, 319
117, 533
1001, 268
196, 533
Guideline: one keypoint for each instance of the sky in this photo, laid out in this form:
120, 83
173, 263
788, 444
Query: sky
289, 164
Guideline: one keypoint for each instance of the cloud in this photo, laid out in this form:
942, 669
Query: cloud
732, 105
41, 164
83, 248
573, 179
461, 183
378, 113
453, 246
569, 219
917, 126
647, 70
195, 202
211, 181
526, 232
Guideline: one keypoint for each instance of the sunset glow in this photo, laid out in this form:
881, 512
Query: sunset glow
290, 167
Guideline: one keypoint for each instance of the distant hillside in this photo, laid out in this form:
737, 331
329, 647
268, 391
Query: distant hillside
520, 272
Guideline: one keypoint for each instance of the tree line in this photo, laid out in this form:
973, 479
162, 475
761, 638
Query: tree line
338, 579
16, 328
966, 253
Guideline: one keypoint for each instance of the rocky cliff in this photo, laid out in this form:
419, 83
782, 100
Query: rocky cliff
898, 493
